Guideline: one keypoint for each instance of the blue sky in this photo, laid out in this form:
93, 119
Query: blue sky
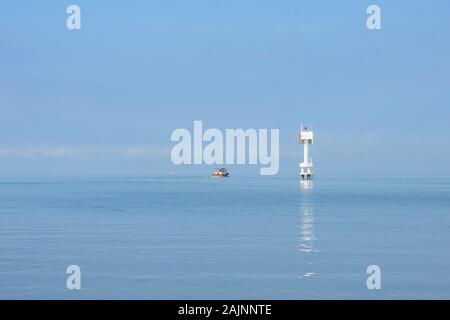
105, 99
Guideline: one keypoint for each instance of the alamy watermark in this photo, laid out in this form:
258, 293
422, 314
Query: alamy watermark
236, 146
73, 281
374, 279
373, 21
73, 21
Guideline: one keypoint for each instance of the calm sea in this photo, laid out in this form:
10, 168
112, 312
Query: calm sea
237, 238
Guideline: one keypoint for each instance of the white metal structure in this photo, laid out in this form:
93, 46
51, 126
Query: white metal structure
305, 137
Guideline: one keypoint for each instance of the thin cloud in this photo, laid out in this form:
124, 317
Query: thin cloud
37, 152
88, 151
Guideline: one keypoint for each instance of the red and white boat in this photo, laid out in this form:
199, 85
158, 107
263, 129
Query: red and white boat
220, 173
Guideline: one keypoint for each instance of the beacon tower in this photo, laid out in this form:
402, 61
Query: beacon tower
305, 137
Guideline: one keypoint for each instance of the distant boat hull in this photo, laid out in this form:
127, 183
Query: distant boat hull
220, 175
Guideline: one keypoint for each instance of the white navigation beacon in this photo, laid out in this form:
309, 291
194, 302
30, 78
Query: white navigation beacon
305, 137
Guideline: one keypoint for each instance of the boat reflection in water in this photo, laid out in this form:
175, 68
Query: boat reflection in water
307, 233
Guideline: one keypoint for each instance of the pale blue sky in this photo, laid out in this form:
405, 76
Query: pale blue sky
104, 100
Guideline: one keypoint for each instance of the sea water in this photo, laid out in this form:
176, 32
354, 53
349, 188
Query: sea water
232, 238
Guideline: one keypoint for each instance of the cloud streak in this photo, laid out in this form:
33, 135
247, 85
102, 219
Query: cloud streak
32, 153
71, 152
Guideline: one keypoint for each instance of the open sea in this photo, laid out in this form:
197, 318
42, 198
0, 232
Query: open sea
234, 238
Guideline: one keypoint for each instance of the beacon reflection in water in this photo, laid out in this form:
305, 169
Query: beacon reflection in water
307, 235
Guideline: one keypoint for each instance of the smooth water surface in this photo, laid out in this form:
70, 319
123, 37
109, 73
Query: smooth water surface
240, 237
